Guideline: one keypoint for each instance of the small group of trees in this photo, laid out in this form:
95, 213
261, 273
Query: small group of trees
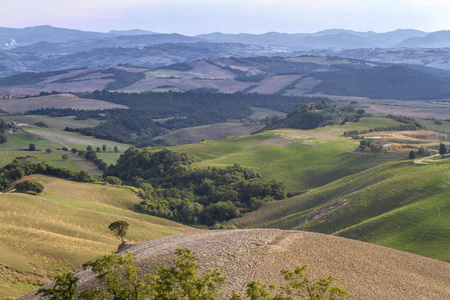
421, 152
368, 145
118, 277
3, 127
172, 188
29, 187
22, 166
91, 155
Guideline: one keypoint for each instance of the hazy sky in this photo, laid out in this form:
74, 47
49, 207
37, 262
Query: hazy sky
192, 17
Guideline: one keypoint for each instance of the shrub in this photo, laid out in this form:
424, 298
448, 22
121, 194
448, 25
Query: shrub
113, 180
3, 138
117, 277
29, 187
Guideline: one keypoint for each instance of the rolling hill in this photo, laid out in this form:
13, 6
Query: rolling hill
265, 75
367, 271
399, 205
59, 230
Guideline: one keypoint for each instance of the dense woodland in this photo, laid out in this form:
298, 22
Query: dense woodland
136, 125
173, 189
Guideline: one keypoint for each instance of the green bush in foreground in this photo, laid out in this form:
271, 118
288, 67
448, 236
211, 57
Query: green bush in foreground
117, 277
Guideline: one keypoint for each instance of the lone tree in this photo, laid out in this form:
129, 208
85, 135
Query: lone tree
120, 228
104, 148
32, 147
65, 157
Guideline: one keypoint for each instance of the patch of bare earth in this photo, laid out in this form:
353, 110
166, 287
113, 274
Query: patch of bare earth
367, 271
274, 142
225, 86
55, 101
273, 84
323, 211
304, 135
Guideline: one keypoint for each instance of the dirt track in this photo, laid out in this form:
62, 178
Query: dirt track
368, 271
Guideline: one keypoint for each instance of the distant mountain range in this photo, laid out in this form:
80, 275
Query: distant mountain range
46, 48
48, 39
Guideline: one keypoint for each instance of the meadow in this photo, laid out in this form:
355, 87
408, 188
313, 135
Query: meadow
400, 205
303, 159
53, 139
55, 232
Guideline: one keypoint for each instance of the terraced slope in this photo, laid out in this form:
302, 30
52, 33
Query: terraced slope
367, 271
42, 236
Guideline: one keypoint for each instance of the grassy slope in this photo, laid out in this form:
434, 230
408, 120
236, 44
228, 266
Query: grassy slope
18, 143
303, 159
398, 205
58, 123
209, 132
42, 236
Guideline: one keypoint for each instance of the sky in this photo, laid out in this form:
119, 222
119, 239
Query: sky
192, 17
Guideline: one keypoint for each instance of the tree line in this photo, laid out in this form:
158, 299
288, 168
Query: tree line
28, 165
194, 108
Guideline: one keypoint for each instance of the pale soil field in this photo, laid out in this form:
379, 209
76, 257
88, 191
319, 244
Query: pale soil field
232, 63
209, 132
304, 86
20, 91
272, 84
201, 69
367, 271
225, 86
410, 137
88, 85
321, 60
417, 109
132, 69
260, 113
57, 123
70, 74
21, 105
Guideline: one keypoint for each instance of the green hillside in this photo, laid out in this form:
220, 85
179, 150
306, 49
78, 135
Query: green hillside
43, 236
303, 159
398, 204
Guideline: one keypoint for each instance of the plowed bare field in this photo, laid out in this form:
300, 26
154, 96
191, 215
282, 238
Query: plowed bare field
367, 271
